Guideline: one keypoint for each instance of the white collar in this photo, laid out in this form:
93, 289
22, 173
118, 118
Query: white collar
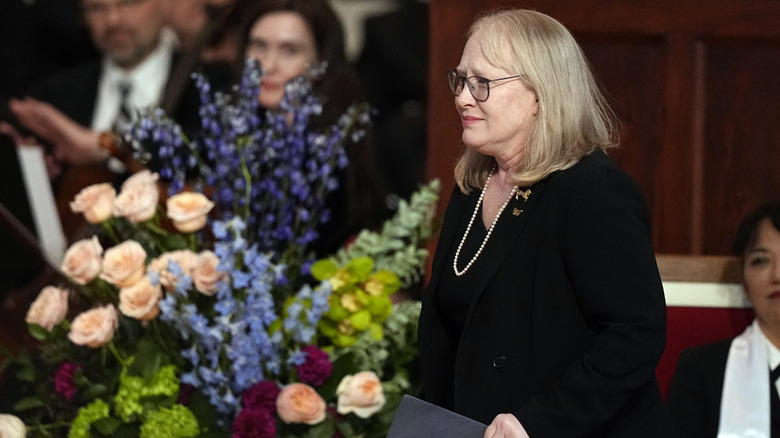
773, 353
147, 80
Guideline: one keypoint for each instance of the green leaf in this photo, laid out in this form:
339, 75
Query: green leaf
203, 410
95, 391
321, 430
341, 367
28, 403
26, 373
148, 359
175, 241
38, 332
107, 426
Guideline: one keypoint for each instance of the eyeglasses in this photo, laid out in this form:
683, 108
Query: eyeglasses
478, 86
101, 8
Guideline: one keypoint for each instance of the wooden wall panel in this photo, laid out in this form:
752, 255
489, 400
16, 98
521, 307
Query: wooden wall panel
742, 133
693, 82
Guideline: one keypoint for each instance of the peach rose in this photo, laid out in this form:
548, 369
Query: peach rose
94, 328
300, 403
83, 260
124, 264
141, 300
96, 202
49, 309
188, 211
12, 427
205, 275
360, 393
138, 199
186, 260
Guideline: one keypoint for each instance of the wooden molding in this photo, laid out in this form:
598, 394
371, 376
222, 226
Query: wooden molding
693, 268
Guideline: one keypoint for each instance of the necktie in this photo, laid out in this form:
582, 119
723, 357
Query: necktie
125, 115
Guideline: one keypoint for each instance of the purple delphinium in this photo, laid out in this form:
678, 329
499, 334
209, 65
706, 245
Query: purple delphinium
317, 367
267, 167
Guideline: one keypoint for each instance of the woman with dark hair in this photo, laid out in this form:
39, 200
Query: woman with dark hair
291, 38
729, 388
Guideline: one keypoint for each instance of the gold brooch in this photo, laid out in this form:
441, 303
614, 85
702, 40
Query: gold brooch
516, 212
525, 194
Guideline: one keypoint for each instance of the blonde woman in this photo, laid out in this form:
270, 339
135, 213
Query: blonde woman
545, 315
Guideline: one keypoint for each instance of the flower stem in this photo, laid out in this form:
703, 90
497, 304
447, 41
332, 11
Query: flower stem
122, 361
107, 225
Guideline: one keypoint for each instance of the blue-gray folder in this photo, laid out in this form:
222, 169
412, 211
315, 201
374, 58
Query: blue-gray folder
417, 418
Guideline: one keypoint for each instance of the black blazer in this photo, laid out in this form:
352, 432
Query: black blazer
74, 92
568, 319
696, 388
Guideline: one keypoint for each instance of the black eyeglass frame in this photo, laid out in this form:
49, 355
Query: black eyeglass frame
457, 80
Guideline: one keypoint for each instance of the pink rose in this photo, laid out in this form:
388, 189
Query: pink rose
94, 328
300, 403
205, 275
49, 309
83, 260
141, 300
96, 202
188, 211
360, 393
124, 264
138, 199
186, 260
12, 427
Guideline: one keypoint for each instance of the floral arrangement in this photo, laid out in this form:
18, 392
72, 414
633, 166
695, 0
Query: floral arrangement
199, 311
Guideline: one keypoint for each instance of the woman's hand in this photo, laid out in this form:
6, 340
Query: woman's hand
72, 142
505, 426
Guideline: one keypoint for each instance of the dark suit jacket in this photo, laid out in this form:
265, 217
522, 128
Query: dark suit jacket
74, 92
567, 321
696, 388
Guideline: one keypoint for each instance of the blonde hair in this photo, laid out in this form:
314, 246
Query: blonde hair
573, 120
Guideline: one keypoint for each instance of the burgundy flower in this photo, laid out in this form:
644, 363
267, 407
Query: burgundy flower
185, 393
261, 396
63, 380
254, 423
317, 368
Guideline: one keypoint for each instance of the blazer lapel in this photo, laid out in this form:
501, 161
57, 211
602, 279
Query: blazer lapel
506, 235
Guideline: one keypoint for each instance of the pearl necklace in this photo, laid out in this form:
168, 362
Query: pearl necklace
471, 222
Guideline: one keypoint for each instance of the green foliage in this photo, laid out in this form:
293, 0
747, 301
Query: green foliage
400, 246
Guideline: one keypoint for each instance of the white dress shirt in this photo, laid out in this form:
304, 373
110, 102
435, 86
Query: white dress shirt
147, 83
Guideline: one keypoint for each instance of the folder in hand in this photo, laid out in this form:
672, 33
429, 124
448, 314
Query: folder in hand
417, 418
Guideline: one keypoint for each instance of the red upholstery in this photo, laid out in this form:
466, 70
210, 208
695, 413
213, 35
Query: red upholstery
690, 326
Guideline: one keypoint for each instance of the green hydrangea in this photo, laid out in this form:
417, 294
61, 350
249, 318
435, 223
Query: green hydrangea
87, 415
132, 389
174, 422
